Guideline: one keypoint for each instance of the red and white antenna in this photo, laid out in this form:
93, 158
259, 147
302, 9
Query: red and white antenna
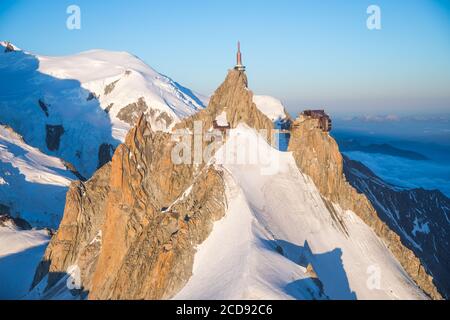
239, 65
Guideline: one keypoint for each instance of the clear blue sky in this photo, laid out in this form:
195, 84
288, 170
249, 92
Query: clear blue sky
307, 53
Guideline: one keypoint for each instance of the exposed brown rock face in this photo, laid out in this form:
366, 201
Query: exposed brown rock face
83, 218
151, 214
9, 47
131, 112
110, 87
147, 249
233, 97
318, 156
74, 170
8, 221
109, 107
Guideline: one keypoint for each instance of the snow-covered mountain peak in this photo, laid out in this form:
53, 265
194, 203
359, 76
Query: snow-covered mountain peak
80, 107
119, 79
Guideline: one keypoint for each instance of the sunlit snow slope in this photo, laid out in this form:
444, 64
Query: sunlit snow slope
19, 259
69, 106
32, 185
119, 79
275, 225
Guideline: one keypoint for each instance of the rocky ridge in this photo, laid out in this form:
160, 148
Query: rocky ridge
317, 155
140, 192
144, 215
234, 99
418, 216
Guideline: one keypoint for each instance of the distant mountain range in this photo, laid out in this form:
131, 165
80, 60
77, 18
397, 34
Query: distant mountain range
346, 145
398, 118
421, 218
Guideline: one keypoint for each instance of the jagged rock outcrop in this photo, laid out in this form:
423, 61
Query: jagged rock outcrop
131, 112
150, 213
9, 47
110, 87
74, 170
133, 228
105, 152
418, 216
11, 222
109, 107
235, 99
317, 155
149, 236
91, 96
74, 242
53, 136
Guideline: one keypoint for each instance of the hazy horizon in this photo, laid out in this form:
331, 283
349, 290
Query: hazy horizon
307, 54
